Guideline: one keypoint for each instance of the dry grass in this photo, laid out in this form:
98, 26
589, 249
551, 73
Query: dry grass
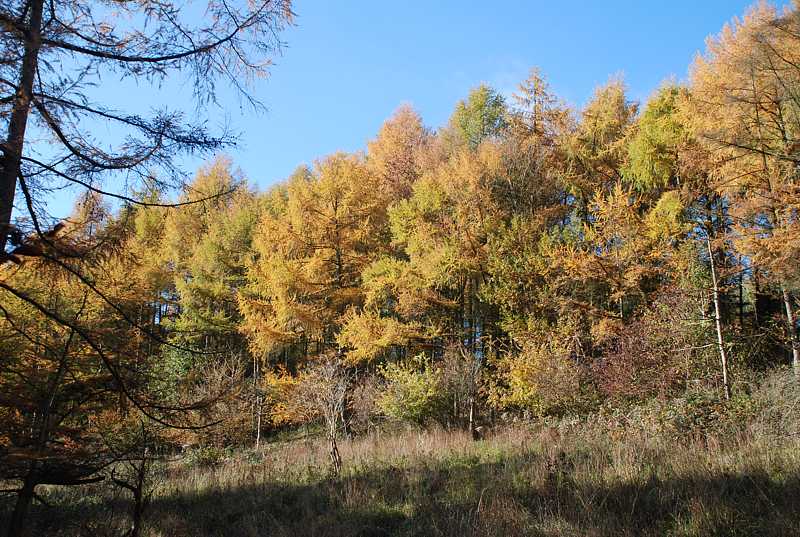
519, 481
608, 475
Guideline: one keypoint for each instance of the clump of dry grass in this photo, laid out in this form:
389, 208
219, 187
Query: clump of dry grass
779, 398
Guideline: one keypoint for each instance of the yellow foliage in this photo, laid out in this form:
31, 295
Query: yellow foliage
281, 407
368, 335
312, 251
547, 376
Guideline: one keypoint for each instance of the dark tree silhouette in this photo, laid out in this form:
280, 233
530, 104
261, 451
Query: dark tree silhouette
52, 55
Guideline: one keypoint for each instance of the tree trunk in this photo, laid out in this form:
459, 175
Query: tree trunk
473, 431
18, 122
717, 321
741, 295
791, 322
336, 458
138, 514
16, 526
139, 496
344, 417
257, 400
258, 422
25, 495
758, 299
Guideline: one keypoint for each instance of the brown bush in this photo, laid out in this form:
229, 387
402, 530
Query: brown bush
664, 352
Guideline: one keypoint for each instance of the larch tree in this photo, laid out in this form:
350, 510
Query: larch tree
530, 185
746, 112
208, 245
594, 150
443, 230
73, 374
53, 53
398, 154
52, 57
310, 257
670, 169
482, 115
531, 198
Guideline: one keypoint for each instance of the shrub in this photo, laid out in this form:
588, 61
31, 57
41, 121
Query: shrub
546, 378
363, 404
223, 382
280, 405
705, 413
661, 352
206, 456
413, 392
698, 414
461, 375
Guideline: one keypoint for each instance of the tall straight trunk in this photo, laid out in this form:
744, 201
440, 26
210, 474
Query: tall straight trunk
473, 430
741, 295
718, 323
258, 422
18, 122
791, 325
256, 401
16, 526
757, 298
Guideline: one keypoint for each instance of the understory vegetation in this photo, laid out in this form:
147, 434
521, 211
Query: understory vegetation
676, 470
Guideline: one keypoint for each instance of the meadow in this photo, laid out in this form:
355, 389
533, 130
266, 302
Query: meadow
674, 471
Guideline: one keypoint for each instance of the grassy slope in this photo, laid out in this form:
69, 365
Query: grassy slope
517, 482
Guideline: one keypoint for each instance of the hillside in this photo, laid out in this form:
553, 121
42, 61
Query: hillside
688, 473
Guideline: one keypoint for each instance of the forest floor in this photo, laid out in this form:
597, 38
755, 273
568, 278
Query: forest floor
583, 480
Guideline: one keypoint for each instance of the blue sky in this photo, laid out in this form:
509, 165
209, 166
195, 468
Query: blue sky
348, 65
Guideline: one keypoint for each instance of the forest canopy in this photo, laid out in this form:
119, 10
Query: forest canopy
527, 258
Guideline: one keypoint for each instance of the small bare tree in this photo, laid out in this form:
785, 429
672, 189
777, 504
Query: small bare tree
715, 289
323, 393
133, 473
223, 382
461, 371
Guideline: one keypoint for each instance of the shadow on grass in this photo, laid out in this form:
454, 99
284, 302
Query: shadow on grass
522, 495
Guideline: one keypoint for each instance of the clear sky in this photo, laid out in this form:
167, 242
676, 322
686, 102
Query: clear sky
349, 64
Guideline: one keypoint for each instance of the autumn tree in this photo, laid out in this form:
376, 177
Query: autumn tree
322, 393
666, 163
594, 150
443, 229
398, 155
530, 185
480, 116
52, 55
311, 255
745, 111
530, 194
208, 246
72, 373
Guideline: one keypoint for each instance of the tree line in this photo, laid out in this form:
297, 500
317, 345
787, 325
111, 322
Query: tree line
525, 259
